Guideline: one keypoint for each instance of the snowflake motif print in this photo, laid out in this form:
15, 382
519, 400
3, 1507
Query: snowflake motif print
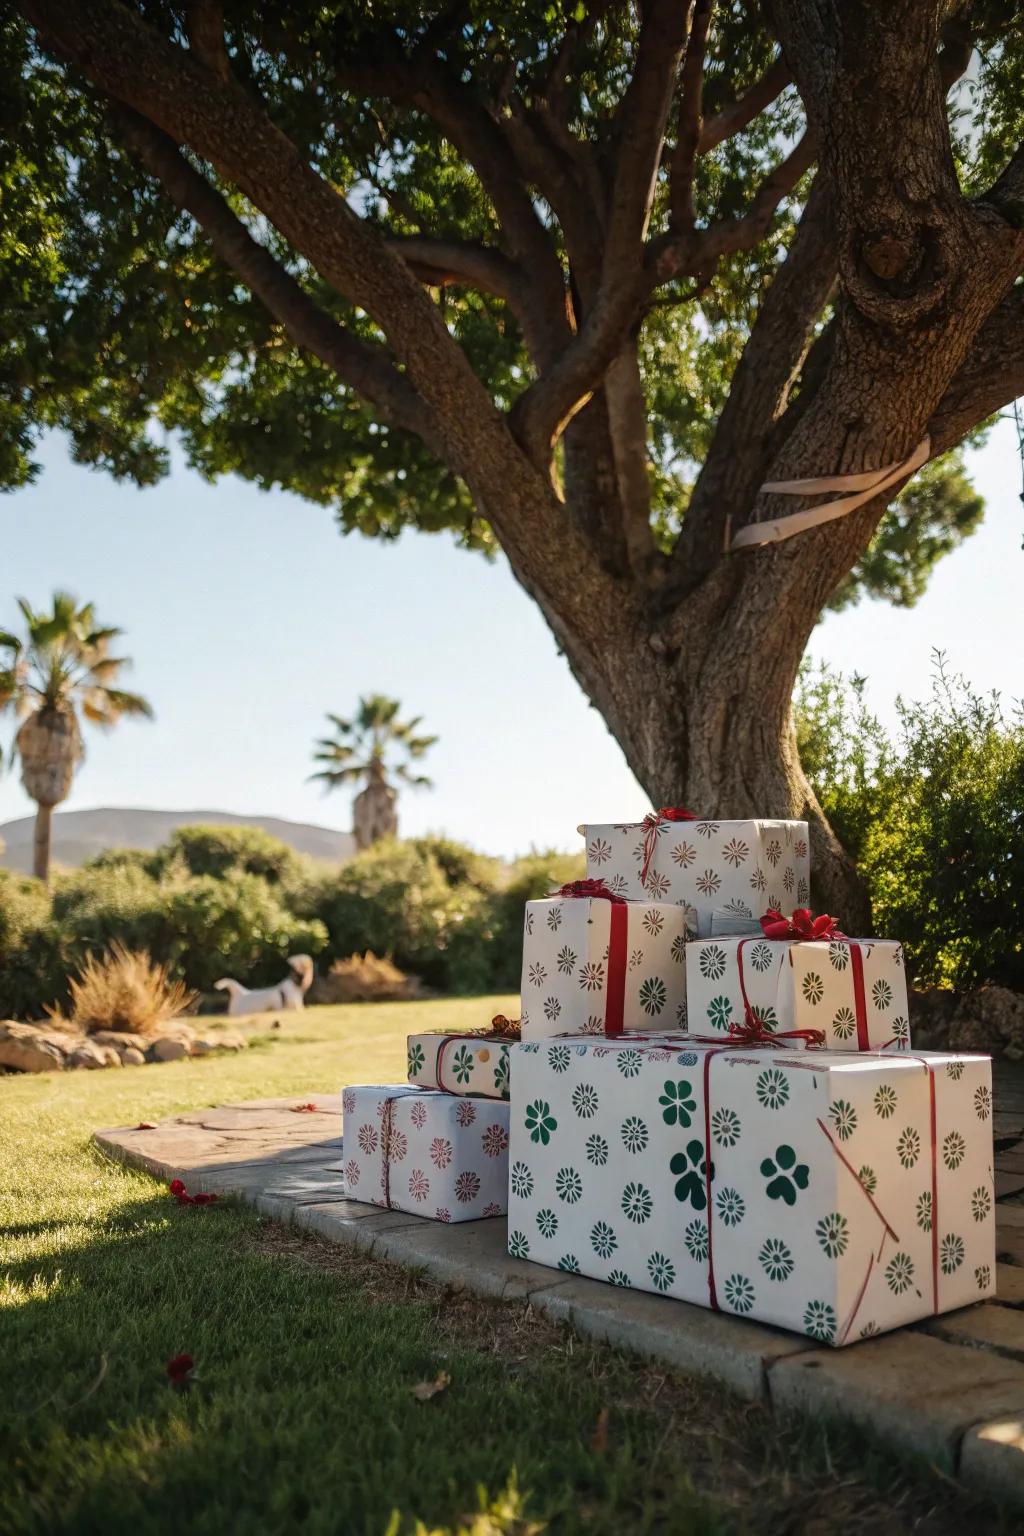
654, 921
397, 1147
552, 1009
839, 955
465, 1114
982, 1102
418, 1114
440, 1152
416, 1061
442, 1213
528, 925
843, 1117
712, 962
881, 995
678, 950
657, 885
684, 854
419, 1184
348, 1102
843, 1023
761, 957
494, 1209
538, 974
735, 852
706, 828
462, 1065
352, 1172
800, 849
773, 852
776, 1259
367, 1139
566, 960
899, 1273
554, 918
618, 885
803, 892
981, 1202
739, 1293
467, 1187
636, 959
788, 880
653, 995
758, 882
951, 1254
599, 852
709, 882
591, 976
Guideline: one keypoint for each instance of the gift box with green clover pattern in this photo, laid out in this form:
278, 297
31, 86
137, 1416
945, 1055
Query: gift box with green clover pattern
835, 1194
853, 990
724, 873
473, 1066
430, 1153
593, 965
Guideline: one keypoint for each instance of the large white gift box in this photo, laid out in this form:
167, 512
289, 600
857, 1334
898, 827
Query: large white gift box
724, 873
410, 1149
470, 1065
835, 1194
596, 966
853, 990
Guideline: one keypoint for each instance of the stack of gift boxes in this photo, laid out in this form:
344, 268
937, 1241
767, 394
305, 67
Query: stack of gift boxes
705, 1099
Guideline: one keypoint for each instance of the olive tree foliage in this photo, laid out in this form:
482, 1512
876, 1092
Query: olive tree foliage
569, 279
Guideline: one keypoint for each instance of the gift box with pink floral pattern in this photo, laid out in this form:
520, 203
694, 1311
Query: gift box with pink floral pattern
723, 873
411, 1149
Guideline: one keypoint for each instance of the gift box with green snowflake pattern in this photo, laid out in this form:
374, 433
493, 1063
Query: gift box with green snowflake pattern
590, 964
835, 1194
468, 1065
412, 1149
724, 873
854, 990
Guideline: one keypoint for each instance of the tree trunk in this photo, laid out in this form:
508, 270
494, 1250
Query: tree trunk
41, 842
706, 721
373, 813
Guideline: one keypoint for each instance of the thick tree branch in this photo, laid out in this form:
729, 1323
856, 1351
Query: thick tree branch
627, 423
204, 24
991, 375
442, 263
358, 364
640, 132
743, 442
689, 130
131, 63
739, 114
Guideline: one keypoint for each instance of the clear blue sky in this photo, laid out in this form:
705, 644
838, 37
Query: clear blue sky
249, 616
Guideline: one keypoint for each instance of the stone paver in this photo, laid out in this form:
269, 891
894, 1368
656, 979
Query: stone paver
951, 1389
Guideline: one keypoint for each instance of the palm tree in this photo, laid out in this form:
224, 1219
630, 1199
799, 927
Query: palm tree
64, 668
372, 749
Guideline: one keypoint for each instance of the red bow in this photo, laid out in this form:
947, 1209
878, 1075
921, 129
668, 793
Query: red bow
595, 889
802, 925
753, 1031
177, 1189
651, 822
179, 1370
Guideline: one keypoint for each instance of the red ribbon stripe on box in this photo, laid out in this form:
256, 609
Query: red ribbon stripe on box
618, 933
651, 822
804, 927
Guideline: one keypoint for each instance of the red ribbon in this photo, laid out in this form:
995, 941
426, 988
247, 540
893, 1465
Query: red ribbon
860, 1002
754, 1032
501, 1029
593, 890
618, 929
651, 822
802, 925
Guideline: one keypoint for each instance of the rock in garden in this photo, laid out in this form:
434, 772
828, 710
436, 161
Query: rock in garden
168, 1048
22, 1048
93, 1056
225, 1040
121, 1040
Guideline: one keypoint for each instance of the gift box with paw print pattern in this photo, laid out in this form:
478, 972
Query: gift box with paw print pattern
835, 1194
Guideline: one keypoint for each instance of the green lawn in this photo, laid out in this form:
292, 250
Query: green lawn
302, 1417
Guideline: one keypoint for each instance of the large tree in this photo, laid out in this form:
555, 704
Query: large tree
574, 278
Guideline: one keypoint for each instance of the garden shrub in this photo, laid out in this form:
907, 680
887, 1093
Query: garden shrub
125, 990
936, 817
222, 851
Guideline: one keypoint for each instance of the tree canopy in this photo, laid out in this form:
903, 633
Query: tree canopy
119, 315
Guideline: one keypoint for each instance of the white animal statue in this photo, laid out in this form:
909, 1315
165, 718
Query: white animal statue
287, 995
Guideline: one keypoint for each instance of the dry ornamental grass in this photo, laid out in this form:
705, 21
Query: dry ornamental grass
126, 990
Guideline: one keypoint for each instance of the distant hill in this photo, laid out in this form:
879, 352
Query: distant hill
80, 835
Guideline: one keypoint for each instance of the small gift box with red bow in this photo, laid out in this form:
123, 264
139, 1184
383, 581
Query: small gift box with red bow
594, 964
429, 1153
832, 1193
801, 973
722, 872
469, 1065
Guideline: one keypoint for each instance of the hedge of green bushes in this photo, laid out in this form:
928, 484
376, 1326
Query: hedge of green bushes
227, 901
933, 812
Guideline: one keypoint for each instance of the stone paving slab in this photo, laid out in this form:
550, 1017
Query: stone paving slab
951, 1389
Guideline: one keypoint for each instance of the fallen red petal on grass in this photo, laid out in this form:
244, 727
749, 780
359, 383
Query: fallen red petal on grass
177, 1189
303, 1109
179, 1369
145, 1125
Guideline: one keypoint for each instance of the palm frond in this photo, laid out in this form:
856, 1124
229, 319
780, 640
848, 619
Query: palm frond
128, 704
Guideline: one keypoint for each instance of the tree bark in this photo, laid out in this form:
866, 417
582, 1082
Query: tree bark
41, 843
